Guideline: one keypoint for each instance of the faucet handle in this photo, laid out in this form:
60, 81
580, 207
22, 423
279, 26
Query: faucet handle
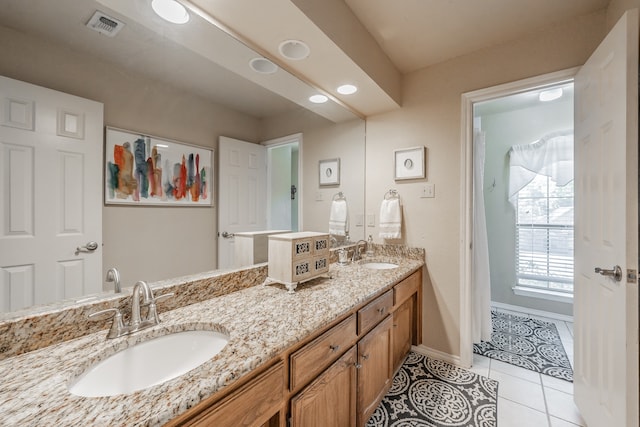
117, 327
152, 314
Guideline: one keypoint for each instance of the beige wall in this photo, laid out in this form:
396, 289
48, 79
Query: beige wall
431, 116
147, 243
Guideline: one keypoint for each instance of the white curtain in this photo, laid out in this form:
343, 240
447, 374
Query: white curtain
550, 156
481, 280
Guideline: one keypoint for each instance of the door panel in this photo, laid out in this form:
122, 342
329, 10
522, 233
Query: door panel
51, 195
242, 198
606, 229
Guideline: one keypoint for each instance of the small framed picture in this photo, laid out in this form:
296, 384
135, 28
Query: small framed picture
410, 163
329, 171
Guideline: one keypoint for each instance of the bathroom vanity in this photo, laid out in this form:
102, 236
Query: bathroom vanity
334, 342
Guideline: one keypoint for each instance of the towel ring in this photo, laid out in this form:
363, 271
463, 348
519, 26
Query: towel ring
339, 196
391, 194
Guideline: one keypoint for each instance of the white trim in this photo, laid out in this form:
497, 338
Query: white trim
527, 310
547, 294
436, 354
466, 180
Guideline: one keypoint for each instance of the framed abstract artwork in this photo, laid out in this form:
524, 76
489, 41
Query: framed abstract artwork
409, 163
146, 170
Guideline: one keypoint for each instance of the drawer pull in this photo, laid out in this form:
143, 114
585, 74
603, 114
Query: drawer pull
381, 310
334, 347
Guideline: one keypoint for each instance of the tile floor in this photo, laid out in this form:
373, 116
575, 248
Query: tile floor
530, 399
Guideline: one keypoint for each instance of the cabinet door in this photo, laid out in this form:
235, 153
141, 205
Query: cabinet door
374, 373
401, 333
330, 400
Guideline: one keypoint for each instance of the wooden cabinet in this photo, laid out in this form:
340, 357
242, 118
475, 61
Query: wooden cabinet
402, 332
330, 400
375, 370
374, 312
257, 403
314, 357
336, 378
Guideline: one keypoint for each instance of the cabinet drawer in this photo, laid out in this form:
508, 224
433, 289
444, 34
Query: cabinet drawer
314, 357
406, 288
253, 404
374, 312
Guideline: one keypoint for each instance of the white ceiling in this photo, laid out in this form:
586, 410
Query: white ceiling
419, 33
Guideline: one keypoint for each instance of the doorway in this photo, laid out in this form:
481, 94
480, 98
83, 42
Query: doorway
469, 100
528, 196
283, 183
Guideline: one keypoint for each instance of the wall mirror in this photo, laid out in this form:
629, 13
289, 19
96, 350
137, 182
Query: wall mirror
190, 83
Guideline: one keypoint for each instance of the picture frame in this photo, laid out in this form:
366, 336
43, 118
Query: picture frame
145, 170
410, 163
329, 172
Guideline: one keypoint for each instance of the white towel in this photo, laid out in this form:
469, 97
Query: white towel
390, 219
339, 218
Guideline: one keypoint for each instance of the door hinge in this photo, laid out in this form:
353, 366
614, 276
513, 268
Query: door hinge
632, 276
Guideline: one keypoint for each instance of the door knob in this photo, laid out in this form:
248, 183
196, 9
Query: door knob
89, 247
227, 235
615, 273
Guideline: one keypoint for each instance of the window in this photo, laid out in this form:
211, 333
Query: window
544, 235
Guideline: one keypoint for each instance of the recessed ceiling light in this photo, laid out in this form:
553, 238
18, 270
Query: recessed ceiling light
318, 99
550, 95
170, 10
294, 49
263, 66
347, 89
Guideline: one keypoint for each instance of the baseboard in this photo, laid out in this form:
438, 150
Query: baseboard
437, 354
532, 311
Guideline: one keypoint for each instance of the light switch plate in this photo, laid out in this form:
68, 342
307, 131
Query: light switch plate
428, 190
319, 197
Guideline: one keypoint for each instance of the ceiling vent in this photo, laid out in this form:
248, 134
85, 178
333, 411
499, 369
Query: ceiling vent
105, 24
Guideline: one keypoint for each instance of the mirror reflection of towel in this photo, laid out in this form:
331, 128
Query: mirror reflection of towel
339, 218
390, 219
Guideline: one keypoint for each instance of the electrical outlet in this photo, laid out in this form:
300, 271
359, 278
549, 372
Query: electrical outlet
319, 197
371, 220
359, 220
428, 191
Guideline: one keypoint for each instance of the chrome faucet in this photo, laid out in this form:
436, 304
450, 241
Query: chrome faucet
357, 254
136, 323
114, 276
147, 298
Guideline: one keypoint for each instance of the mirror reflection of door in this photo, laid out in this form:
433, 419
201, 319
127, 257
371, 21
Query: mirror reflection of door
254, 179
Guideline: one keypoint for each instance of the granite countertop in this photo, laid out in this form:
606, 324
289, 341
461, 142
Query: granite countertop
261, 321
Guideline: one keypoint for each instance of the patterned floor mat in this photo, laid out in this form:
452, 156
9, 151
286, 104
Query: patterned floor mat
529, 343
431, 393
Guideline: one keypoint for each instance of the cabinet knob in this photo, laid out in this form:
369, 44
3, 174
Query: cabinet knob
358, 365
365, 356
381, 310
334, 347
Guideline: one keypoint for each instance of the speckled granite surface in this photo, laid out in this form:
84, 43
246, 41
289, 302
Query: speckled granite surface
261, 321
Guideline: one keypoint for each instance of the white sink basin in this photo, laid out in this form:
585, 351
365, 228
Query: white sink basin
149, 363
380, 265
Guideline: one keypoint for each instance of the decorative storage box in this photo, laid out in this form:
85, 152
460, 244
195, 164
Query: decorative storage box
297, 257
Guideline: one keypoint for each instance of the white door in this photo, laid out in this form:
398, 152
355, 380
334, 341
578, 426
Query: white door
242, 194
606, 230
51, 195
